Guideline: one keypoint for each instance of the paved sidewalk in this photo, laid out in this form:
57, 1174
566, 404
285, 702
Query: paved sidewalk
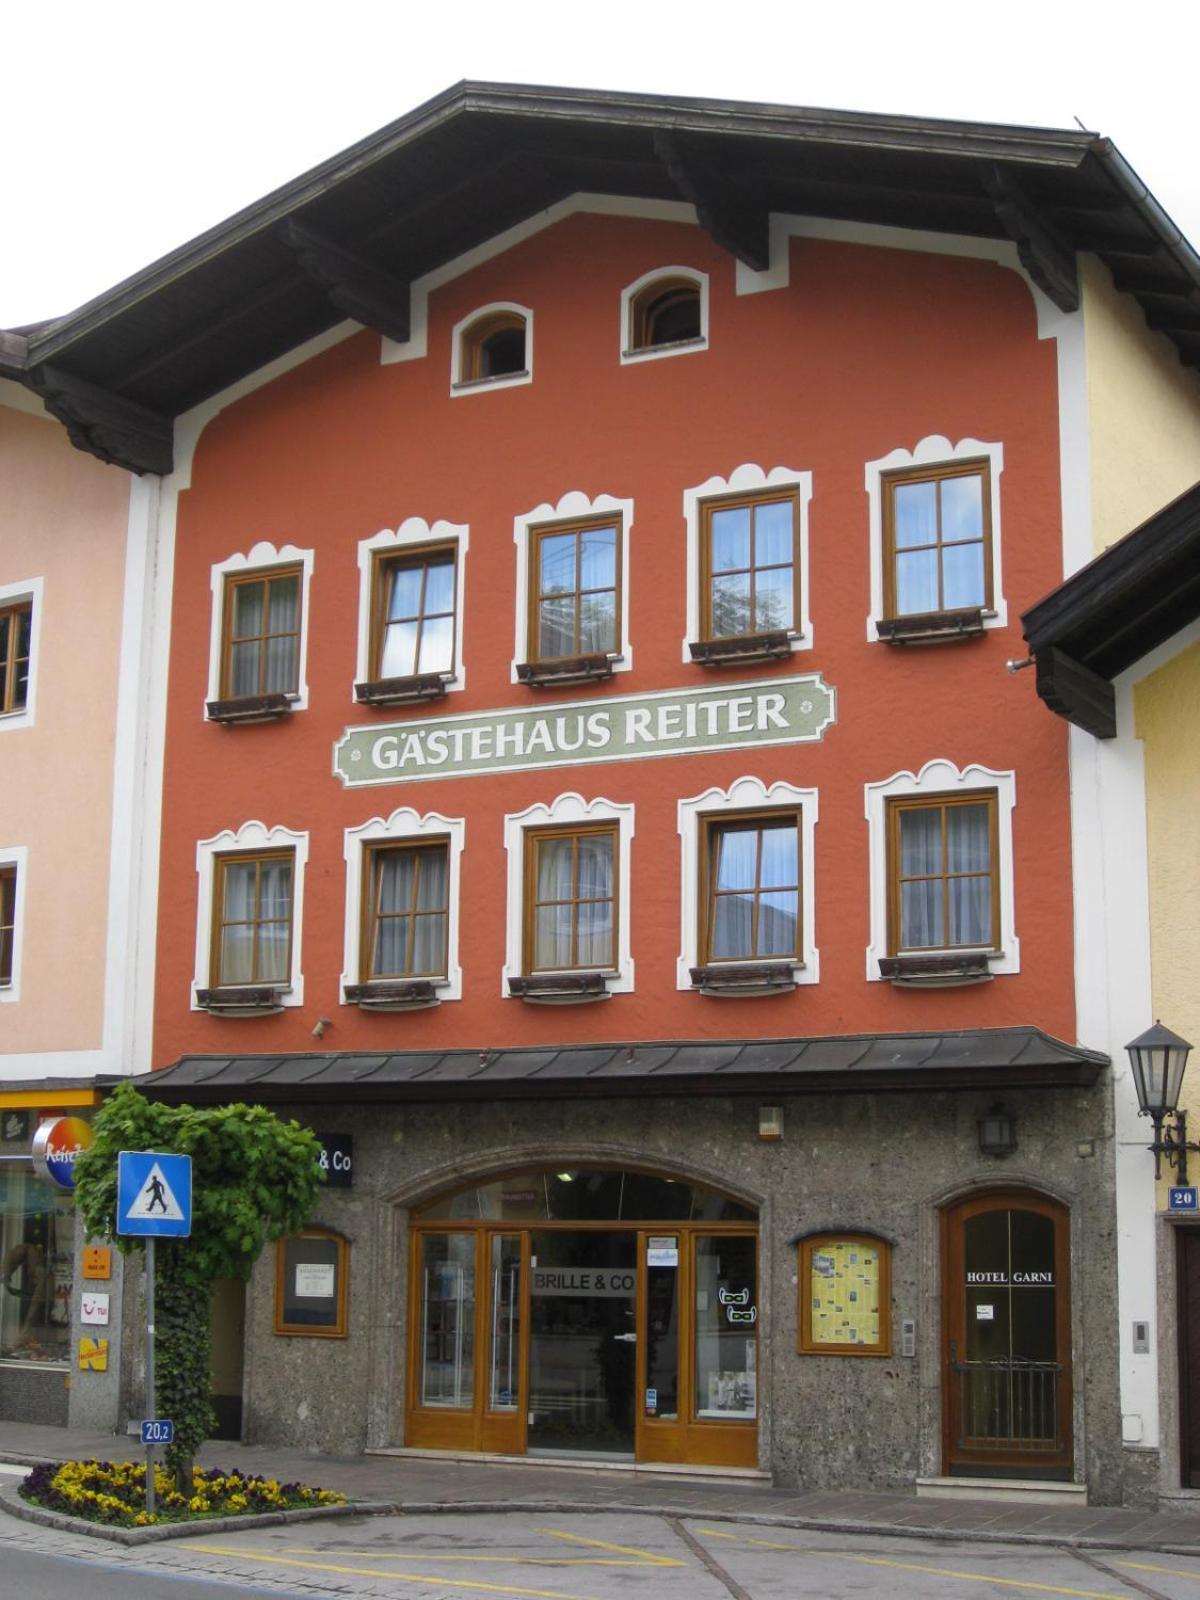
422, 1484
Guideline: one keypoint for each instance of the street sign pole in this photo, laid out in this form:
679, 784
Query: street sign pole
151, 1397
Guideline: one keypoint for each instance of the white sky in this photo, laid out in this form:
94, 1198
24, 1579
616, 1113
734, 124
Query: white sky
128, 127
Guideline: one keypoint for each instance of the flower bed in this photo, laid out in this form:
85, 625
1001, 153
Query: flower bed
114, 1492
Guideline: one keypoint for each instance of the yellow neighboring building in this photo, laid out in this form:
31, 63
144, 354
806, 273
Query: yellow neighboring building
1117, 652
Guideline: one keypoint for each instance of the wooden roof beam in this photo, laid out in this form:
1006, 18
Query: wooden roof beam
1076, 692
355, 287
737, 224
107, 425
1047, 257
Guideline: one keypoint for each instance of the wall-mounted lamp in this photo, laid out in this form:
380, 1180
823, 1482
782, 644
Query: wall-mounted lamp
1158, 1058
997, 1132
770, 1122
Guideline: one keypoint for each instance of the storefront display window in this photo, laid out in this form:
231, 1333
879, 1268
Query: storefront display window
311, 1285
37, 1231
586, 1195
726, 1327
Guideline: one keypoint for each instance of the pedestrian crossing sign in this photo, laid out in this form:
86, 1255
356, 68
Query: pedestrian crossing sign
154, 1194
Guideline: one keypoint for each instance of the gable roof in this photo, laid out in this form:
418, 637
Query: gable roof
349, 237
1114, 611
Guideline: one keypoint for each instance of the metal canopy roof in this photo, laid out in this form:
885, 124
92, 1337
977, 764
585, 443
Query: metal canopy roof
1113, 612
982, 1058
349, 237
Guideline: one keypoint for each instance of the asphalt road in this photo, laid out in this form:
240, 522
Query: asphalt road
542, 1556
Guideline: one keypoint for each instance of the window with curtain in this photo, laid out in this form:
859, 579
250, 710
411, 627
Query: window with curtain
944, 876
575, 591
8, 923
261, 647
414, 613
252, 933
937, 540
749, 566
571, 900
407, 911
16, 630
750, 888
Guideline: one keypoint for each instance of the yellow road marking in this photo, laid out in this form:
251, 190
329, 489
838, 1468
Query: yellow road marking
913, 1566
375, 1572
1170, 1572
648, 1556
523, 1561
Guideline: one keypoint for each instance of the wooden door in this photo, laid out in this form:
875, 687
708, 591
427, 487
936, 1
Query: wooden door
1187, 1253
1007, 1337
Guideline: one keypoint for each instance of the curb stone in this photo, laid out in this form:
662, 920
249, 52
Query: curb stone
12, 1502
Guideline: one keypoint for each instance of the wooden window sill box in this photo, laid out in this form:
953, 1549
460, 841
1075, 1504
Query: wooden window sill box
731, 979
250, 708
947, 969
668, 347
742, 650
566, 670
403, 691
932, 627
494, 378
243, 1000
409, 994
561, 988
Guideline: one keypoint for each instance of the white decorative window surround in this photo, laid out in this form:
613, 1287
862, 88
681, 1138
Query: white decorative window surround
935, 778
562, 812
412, 533
403, 824
573, 507
15, 856
744, 794
28, 592
747, 479
682, 347
261, 557
460, 384
251, 836
934, 450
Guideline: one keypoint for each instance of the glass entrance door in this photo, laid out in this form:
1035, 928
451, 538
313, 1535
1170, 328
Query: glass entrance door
582, 1341
1008, 1351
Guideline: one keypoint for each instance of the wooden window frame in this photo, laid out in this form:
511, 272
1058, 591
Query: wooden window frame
235, 581
304, 1330
716, 823
977, 467
475, 336
805, 1343
8, 923
645, 303
731, 502
551, 530
532, 838
221, 864
13, 613
896, 806
373, 854
383, 564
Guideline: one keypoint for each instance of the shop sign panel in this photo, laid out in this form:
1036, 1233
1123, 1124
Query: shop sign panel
620, 728
582, 1283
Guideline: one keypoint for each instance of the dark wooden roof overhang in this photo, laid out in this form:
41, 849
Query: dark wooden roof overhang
991, 1058
349, 238
1114, 611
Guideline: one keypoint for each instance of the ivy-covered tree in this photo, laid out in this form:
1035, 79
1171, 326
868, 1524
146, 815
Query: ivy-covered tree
255, 1178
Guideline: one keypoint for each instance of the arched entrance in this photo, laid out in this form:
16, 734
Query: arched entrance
1007, 1336
585, 1311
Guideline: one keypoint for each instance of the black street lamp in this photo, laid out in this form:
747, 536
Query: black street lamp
1158, 1058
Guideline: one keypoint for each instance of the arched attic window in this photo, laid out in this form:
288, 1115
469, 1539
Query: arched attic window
664, 313
493, 345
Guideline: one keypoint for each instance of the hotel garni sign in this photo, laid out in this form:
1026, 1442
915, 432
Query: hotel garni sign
620, 728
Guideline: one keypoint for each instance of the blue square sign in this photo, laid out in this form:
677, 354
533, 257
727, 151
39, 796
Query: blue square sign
1181, 1200
154, 1194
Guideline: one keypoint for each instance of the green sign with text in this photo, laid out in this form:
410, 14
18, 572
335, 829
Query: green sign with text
620, 728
